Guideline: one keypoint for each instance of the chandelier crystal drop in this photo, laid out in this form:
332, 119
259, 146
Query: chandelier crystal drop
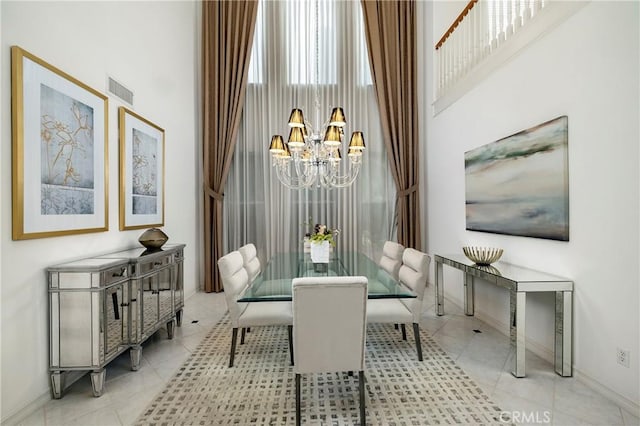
313, 156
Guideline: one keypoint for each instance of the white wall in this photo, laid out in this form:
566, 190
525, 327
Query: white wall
150, 47
586, 68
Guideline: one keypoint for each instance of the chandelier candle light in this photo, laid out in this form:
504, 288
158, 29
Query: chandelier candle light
316, 153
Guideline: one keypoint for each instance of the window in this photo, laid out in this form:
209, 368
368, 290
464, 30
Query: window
256, 63
258, 208
364, 69
310, 26
309, 30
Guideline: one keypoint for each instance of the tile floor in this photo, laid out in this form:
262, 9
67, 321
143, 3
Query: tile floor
541, 398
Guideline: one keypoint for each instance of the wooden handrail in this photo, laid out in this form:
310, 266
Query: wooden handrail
456, 22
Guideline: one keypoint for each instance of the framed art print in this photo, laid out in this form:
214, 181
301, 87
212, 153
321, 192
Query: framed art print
59, 151
141, 172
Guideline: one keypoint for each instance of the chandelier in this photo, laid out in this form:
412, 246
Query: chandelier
314, 156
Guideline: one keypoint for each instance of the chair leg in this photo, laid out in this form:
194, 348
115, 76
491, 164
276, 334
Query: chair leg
404, 332
242, 336
234, 338
416, 335
363, 420
298, 400
290, 329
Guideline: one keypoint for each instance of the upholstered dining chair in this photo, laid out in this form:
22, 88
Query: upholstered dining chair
390, 262
251, 264
235, 280
329, 329
250, 260
413, 273
391, 259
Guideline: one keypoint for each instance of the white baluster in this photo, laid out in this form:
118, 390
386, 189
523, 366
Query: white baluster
464, 54
518, 16
447, 61
450, 62
441, 74
445, 64
503, 22
537, 5
508, 19
473, 36
470, 39
485, 38
526, 13
495, 26
455, 45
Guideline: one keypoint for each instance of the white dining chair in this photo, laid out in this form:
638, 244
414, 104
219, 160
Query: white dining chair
391, 259
251, 263
329, 329
390, 262
413, 273
235, 280
250, 260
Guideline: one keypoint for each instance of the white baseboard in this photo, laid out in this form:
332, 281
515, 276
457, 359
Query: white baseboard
548, 355
613, 396
23, 413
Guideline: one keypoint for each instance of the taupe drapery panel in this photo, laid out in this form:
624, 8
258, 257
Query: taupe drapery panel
227, 37
391, 38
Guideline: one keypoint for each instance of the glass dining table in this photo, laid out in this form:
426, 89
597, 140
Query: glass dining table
274, 282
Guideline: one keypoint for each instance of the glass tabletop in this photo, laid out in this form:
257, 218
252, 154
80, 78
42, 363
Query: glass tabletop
274, 283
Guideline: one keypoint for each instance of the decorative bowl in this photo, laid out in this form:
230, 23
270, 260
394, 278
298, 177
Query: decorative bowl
153, 238
482, 255
489, 269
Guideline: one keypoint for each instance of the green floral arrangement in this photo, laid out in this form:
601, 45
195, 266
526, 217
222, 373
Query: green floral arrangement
323, 233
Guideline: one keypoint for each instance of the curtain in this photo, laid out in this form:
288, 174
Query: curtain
309, 55
391, 37
227, 33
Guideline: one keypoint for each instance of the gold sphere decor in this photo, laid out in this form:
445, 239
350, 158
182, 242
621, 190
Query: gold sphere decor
482, 255
153, 238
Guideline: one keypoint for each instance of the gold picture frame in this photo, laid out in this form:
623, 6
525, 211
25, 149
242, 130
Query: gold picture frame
60, 175
141, 172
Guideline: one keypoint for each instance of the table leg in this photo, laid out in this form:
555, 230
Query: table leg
135, 353
170, 329
469, 295
439, 290
179, 318
97, 381
517, 307
563, 338
57, 384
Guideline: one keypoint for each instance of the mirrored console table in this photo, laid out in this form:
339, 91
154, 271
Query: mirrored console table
101, 306
519, 281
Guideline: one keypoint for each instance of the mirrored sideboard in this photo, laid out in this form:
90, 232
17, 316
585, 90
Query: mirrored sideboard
101, 306
519, 281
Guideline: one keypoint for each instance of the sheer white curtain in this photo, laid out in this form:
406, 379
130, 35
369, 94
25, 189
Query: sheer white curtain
308, 54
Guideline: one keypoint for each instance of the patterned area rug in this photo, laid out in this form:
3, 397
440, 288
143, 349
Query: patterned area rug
260, 388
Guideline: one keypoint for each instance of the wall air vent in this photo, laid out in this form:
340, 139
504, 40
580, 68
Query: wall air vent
120, 91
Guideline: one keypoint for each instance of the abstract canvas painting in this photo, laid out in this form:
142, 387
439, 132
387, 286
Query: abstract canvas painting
59, 151
519, 185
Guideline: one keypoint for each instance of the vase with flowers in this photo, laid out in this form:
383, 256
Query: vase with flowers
321, 241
